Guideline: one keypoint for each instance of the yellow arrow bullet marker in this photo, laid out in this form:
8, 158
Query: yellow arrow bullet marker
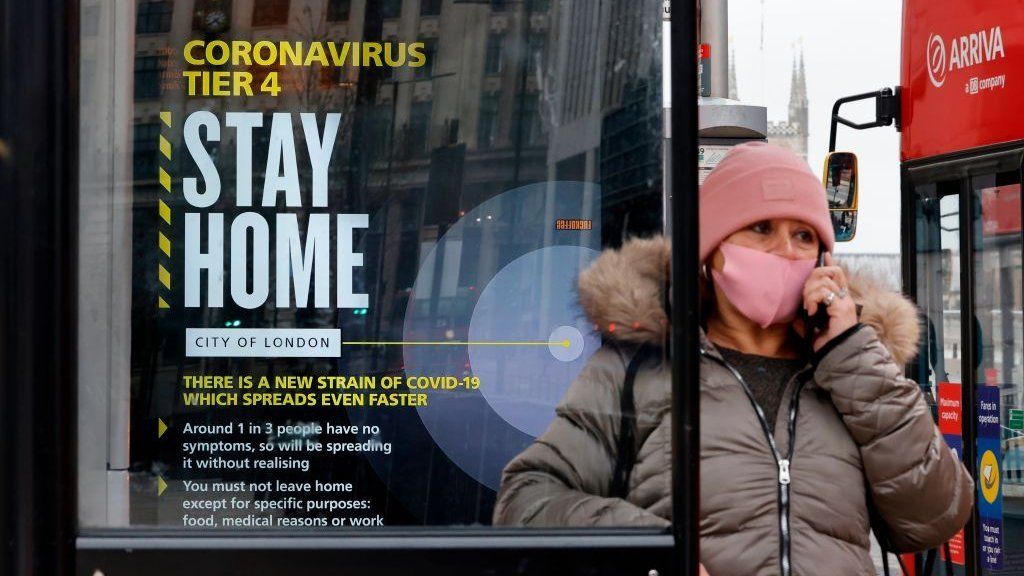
160, 486
161, 428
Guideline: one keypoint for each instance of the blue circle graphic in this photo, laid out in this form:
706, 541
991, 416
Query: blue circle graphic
531, 301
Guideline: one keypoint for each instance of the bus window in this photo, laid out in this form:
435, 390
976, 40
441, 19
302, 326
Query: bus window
999, 376
938, 281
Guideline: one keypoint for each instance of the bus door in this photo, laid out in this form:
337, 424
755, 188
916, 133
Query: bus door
963, 265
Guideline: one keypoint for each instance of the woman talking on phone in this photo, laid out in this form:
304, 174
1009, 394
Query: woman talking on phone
806, 425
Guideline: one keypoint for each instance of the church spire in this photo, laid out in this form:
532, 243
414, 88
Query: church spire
798, 91
792, 133
802, 81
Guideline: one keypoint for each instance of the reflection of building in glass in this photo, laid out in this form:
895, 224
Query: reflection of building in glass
631, 167
432, 141
503, 81
512, 93
610, 79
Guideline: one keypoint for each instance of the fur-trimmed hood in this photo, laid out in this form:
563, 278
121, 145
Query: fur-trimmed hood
622, 294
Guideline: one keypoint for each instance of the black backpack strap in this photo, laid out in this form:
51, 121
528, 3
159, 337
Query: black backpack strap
931, 556
929, 563
899, 560
625, 449
881, 531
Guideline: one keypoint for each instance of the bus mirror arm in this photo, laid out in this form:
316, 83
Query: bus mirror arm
887, 112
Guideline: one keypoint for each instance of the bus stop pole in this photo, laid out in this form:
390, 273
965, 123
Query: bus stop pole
38, 250
685, 297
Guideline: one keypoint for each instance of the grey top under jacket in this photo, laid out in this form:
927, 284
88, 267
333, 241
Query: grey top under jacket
765, 376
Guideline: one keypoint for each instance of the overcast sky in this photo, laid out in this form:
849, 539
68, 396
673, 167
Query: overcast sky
849, 48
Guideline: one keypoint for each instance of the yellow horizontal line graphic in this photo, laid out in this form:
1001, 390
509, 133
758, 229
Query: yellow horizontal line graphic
165, 179
165, 277
165, 147
165, 116
165, 211
564, 343
165, 244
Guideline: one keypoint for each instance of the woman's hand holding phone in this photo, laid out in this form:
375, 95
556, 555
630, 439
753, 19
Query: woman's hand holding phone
827, 288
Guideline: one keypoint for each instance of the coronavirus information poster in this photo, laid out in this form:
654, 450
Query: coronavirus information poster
354, 256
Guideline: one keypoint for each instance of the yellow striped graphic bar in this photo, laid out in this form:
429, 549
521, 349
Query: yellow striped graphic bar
163, 241
165, 212
165, 244
165, 179
165, 147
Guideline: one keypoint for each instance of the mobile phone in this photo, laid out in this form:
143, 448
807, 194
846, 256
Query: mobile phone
820, 319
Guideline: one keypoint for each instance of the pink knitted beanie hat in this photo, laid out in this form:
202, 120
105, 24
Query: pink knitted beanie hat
757, 181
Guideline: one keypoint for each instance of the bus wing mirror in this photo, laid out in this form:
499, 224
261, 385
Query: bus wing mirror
840, 180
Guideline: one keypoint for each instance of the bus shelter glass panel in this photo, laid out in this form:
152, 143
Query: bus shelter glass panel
329, 249
1000, 381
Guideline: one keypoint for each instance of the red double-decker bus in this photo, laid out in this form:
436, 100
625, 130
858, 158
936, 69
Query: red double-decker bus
961, 148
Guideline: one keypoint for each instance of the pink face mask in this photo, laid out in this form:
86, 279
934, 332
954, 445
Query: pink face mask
764, 287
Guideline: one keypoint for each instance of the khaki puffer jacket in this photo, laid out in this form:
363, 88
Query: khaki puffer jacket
857, 426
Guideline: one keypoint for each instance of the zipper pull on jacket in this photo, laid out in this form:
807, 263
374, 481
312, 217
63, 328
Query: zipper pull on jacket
783, 471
